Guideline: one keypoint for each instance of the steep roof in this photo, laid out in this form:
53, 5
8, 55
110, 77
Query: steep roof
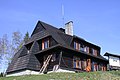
109, 54
15, 64
58, 35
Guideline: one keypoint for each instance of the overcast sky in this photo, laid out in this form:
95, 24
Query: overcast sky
97, 21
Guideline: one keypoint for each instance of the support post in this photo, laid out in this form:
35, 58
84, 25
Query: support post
60, 58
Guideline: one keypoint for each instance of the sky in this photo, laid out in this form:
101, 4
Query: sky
97, 21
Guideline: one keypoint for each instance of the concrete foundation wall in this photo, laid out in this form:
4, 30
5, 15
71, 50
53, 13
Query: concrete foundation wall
30, 72
62, 70
24, 72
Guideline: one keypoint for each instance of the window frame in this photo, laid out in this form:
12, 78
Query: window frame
77, 62
45, 43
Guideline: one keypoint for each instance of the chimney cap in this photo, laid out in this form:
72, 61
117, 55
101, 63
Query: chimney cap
69, 22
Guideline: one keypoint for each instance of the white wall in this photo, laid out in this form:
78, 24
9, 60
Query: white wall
24, 72
114, 61
29, 72
62, 70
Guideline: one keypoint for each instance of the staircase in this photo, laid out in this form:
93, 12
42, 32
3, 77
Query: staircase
45, 64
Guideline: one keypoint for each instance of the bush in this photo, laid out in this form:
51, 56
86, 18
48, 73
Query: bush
1, 74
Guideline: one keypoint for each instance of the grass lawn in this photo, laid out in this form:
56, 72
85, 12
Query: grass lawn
108, 75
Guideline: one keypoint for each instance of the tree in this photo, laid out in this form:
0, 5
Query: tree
0, 49
8, 48
4, 49
4, 43
17, 41
13, 46
26, 37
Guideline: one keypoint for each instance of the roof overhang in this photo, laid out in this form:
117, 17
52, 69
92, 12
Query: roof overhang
68, 49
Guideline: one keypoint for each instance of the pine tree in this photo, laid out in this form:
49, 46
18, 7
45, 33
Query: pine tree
26, 38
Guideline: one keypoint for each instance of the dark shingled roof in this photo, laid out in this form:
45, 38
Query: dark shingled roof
18, 62
24, 60
109, 54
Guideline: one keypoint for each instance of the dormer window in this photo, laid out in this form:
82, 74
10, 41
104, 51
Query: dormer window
95, 52
86, 49
45, 43
28, 46
91, 50
82, 47
79, 46
76, 45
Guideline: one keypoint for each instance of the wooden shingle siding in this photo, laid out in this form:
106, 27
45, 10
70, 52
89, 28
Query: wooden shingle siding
33, 63
66, 38
67, 62
23, 52
35, 47
52, 42
20, 63
38, 28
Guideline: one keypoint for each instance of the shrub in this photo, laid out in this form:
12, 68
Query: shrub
1, 74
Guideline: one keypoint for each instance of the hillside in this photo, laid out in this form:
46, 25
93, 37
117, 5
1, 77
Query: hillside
111, 75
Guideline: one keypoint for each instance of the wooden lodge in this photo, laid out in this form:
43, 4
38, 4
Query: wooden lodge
52, 50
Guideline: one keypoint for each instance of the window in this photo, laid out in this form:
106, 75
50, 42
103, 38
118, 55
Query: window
88, 67
91, 50
45, 43
114, 60
84, 64
87, 49
76, 45
95, 52
79, 46
88, 62
95, 66
79, 64
104, 68
76, 62
82, 47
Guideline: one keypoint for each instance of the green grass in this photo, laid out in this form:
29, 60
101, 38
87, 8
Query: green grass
109, 75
